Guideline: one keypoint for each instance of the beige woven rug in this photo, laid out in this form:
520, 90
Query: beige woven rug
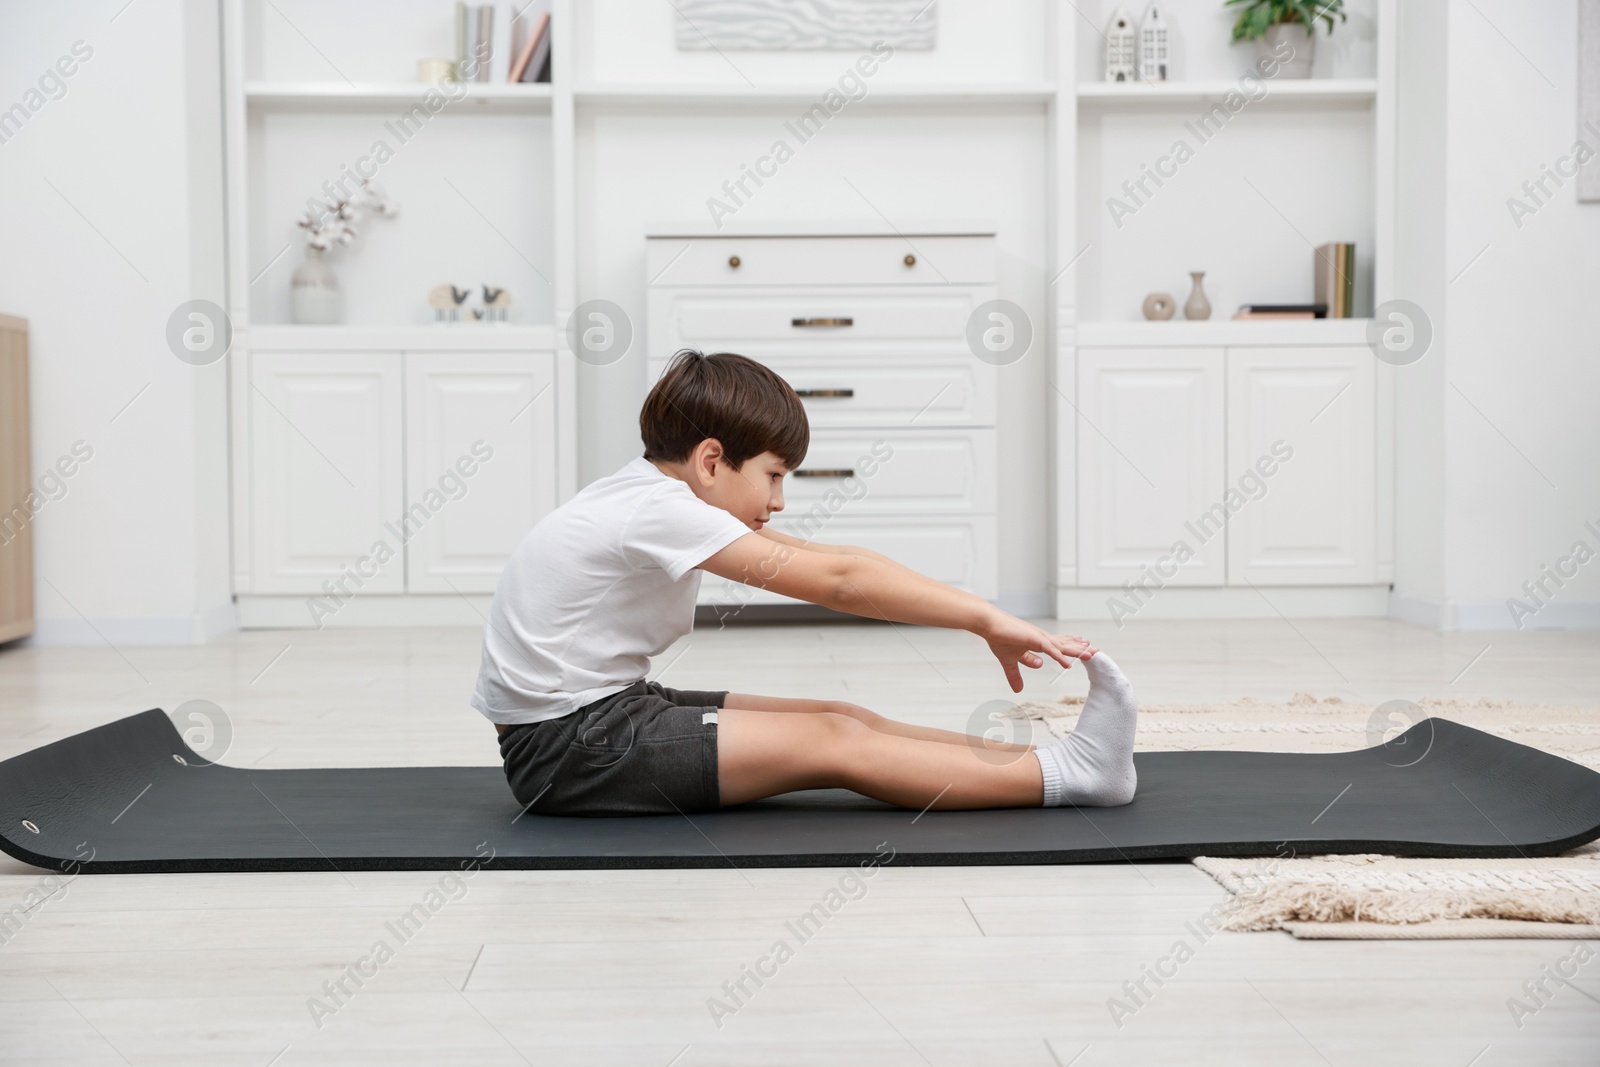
1380, 897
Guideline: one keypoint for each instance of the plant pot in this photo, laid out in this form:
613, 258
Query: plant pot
1291, 46
314, 295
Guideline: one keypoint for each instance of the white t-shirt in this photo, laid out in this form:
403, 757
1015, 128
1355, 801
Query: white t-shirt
600, 585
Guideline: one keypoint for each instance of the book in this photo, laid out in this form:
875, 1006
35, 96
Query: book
483, 41
544, 70
538, 69
461, 36
1333, 277
523, 69
1281, 311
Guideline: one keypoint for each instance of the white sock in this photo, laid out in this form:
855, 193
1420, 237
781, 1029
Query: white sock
1093, 766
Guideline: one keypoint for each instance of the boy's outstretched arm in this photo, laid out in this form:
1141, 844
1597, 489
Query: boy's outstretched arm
877, 588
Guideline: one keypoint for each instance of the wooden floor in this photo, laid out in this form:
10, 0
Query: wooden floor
922, 966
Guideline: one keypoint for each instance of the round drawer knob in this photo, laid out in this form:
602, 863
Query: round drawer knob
733, 261
911, 260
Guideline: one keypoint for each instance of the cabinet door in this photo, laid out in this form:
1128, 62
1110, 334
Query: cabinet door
325, 470
1150, 452
1314, 523
480, 463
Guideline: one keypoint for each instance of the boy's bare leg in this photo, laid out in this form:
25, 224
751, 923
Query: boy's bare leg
882, 724
763, 753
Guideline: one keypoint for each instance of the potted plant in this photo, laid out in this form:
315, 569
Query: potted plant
1283, 30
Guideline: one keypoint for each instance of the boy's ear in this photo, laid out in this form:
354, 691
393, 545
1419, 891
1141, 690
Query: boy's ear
707, 454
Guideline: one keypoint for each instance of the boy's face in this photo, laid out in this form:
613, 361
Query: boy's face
750, 494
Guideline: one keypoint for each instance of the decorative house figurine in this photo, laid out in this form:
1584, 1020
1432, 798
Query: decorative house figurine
1120, 48
1153, 45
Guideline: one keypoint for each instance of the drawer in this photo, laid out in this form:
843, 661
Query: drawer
936, 260
807, 321
957, 550
901, 392
895, 472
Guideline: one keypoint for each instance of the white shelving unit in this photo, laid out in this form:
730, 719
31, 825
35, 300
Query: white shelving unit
547, 184
1301, 162
336, 430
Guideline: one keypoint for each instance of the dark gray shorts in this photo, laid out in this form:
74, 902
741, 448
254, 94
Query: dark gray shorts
647, 750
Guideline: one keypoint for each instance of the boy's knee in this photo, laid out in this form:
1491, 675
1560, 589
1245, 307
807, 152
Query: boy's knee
840, 723
852, 711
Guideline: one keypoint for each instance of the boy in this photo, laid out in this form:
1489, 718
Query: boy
609, 579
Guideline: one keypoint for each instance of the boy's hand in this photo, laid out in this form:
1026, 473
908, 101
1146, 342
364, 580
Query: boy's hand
1015, 642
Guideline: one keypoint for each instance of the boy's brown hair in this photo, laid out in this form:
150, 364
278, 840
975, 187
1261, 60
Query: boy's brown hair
732, 398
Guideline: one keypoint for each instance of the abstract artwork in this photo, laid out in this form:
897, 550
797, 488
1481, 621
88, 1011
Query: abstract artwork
804, 25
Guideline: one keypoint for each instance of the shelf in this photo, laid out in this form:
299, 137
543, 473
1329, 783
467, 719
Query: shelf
1222, 332
668, 97
466, 337
1280, 91
339, 96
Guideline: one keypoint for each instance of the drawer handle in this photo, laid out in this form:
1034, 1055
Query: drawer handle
826, 472
822, 322
733, 261
911, 260
808, 394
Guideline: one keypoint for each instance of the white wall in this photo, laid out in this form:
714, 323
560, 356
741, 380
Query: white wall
112, 219
1504, 406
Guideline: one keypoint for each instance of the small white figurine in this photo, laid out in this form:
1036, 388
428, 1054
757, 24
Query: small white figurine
1120, 48
1153, 45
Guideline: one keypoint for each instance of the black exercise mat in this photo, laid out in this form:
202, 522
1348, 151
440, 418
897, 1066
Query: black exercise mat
118, 799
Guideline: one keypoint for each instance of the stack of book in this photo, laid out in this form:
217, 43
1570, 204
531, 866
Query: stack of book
530, 58
530, 43
1334, 276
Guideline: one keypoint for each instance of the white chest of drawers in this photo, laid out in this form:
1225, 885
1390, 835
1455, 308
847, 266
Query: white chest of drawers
871, 332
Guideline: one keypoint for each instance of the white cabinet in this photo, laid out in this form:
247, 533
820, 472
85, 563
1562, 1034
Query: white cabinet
871, 331
1314, 521
1150, 447
326, 470
480, 471
1236, 464
392, 472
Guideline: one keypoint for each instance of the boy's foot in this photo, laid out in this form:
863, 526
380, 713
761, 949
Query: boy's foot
1093, 767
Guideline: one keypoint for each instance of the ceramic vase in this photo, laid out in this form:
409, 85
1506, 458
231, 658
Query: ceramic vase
1197, 306
1291, 46
1159, 307
314, 295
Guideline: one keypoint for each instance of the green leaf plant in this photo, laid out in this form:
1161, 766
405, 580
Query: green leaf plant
1256, 15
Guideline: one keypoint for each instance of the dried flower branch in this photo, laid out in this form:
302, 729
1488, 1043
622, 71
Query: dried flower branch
335, 223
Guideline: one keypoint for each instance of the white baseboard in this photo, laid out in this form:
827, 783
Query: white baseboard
1292, 601
292, 612
1420, 611
1492, 615
1025, 603
1577, 615
154, 630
